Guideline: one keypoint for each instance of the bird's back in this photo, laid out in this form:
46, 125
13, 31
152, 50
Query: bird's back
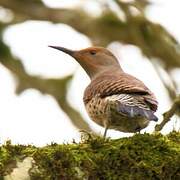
121, 99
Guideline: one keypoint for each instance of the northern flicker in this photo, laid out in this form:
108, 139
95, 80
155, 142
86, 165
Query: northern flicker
113, 99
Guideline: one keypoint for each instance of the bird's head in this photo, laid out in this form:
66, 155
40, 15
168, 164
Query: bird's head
94, 60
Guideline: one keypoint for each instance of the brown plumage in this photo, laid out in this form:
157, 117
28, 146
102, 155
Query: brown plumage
114, 99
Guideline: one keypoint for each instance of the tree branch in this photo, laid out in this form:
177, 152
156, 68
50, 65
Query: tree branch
142, 156
167, 115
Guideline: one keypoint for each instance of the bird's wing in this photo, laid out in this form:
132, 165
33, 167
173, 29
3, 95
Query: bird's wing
120, 83
130, 105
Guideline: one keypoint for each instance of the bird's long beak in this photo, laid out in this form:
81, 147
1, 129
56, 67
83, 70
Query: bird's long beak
67, 51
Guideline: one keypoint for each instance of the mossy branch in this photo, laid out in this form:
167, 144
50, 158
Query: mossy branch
142, 156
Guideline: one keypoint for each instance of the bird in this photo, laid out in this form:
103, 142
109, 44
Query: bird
114, 99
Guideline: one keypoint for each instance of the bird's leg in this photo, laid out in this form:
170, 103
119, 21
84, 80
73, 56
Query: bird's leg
106, 126
105, 131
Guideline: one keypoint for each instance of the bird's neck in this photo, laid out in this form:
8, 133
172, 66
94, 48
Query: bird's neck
106, 71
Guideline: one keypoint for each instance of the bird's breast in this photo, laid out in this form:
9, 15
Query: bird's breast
97, 109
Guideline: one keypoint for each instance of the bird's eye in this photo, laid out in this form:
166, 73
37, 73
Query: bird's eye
92, 52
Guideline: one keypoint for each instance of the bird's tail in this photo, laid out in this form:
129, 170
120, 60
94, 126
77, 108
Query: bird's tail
135, 111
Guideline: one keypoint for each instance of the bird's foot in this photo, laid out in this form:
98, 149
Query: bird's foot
138, 130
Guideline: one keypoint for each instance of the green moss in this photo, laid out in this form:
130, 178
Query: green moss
142, 156
9, 154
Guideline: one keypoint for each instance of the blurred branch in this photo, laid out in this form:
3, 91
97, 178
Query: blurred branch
151, 38
171, 88
57, 88
167, 115
36, 10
